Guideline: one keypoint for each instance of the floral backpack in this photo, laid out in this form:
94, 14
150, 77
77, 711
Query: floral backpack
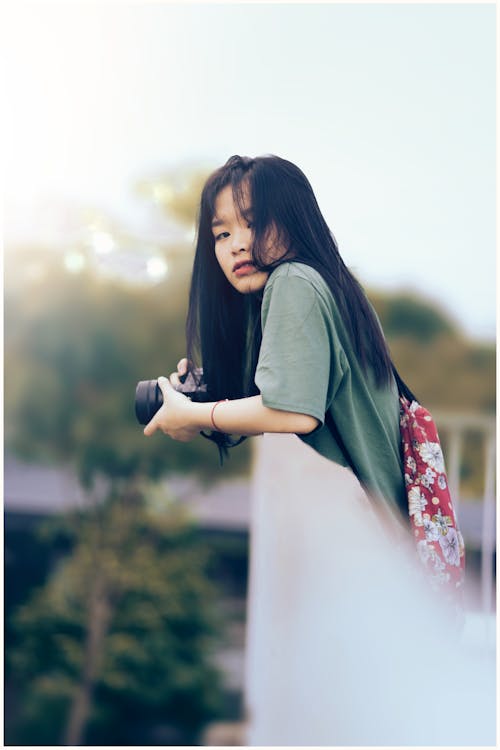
440, 544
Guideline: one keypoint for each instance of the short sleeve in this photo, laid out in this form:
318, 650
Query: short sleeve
293, 370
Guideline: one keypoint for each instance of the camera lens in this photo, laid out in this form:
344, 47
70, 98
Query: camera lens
148, 399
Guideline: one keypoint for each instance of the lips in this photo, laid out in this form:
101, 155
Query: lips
242, 263
244, 269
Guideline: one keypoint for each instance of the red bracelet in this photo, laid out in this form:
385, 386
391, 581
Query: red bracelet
212, 414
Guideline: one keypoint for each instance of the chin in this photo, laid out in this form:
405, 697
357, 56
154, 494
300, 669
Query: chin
253, 283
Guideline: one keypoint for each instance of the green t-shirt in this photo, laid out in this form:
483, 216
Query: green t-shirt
308, 365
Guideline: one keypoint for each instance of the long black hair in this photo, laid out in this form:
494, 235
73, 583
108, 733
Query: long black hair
223, 325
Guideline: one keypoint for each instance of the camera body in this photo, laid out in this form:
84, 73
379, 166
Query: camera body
149, 398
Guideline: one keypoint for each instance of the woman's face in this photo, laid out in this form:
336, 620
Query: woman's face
233, 242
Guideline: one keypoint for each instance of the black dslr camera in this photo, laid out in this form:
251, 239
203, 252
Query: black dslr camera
149, 398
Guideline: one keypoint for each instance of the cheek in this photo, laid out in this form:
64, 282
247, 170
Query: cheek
225, 264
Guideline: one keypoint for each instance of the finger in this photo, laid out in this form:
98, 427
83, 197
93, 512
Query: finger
151, 427
174, 379
182, 366
165, 385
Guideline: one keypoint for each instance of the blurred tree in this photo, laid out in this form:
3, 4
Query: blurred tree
75, 347
441, 365
408, 314
452, 374
122, 631
123, 620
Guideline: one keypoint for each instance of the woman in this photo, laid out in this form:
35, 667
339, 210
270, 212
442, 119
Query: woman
341, 641
288, 339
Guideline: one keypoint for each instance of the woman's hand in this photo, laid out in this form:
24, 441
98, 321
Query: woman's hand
175, 417
183, 420
182, 367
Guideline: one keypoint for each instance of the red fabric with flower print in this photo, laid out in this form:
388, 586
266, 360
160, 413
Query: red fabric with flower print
439, 542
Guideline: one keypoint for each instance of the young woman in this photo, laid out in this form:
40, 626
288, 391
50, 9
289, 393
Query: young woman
340, 639
289, 342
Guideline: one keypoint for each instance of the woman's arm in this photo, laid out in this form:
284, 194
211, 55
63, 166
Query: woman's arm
183, 419
249, 416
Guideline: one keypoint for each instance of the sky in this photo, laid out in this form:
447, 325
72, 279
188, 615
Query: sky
389, 109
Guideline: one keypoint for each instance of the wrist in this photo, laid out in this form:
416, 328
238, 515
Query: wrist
212, 414
201, 415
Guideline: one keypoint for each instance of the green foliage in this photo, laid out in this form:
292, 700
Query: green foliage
75, 347
408, 314
442, 367
155, 655
452, 374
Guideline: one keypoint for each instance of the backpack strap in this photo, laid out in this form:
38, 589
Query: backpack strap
403, 389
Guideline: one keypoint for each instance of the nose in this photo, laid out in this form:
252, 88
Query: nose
239, 242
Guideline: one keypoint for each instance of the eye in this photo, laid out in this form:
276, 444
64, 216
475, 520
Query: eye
220, 236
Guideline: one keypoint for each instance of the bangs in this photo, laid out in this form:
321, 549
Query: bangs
237, 173
242, 194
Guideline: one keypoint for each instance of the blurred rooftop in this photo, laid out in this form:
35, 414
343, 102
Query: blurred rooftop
42, 490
